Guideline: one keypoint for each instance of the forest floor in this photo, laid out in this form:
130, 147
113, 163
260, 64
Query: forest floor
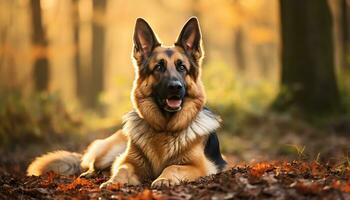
268, 180
270, 158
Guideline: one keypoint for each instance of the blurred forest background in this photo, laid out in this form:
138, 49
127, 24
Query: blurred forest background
277, 71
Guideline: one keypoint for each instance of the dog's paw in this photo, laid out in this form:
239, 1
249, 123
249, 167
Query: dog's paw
122, 177
106, 184
87, 174
165, 182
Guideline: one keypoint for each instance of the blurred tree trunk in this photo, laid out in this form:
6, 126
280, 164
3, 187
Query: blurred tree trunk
98, 51
41, 63
238, 48
79, 89
308, 80
345, 32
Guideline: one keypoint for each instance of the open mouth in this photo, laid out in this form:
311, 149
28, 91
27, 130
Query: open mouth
173, 104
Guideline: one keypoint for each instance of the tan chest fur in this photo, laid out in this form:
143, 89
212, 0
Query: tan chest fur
165, 148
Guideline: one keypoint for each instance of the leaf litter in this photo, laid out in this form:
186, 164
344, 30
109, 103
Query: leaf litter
264, 180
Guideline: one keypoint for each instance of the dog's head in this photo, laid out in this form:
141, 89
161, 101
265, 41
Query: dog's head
167, 77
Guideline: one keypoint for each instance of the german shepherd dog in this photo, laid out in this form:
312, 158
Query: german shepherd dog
170, 136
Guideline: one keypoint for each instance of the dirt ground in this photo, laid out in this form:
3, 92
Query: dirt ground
272, 180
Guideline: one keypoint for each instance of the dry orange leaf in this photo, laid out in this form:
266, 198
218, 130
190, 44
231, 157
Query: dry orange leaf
345, 187
147, 195
78, 182
259, 169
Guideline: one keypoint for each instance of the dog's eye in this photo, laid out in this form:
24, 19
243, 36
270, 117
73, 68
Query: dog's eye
159, 67
181, 68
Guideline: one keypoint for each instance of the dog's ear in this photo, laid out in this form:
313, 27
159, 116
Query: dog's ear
190, 38
144, 40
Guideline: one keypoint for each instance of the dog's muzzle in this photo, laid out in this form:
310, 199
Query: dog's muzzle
174, 99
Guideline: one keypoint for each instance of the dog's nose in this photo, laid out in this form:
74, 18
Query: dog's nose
174, 86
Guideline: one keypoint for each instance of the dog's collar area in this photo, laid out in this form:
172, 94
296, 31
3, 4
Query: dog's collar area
204, 123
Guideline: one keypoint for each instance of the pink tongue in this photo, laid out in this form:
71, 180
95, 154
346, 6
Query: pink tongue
172, 103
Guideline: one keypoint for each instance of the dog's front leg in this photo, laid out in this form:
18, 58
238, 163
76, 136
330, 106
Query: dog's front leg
123, 174
175, 174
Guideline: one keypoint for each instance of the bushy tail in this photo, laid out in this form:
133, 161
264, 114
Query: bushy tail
60, 162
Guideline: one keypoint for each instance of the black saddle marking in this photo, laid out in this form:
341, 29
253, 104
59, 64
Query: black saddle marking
212, 151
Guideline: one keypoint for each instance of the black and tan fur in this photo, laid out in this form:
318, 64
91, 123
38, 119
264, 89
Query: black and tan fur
170, 136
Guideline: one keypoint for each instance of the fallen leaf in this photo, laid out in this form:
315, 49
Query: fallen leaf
259, 169
77, 183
